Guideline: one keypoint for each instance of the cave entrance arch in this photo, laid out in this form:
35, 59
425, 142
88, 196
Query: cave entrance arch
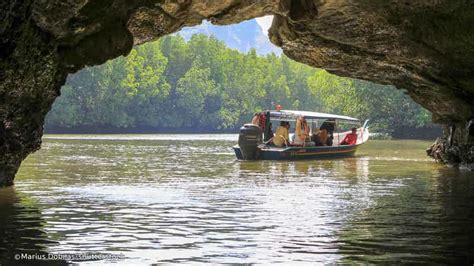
425, 47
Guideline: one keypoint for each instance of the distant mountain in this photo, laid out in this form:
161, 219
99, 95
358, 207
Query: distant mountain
243, 36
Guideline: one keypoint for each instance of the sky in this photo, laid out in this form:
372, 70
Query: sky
265, 23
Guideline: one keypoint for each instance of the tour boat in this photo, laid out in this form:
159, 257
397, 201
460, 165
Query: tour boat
251, 146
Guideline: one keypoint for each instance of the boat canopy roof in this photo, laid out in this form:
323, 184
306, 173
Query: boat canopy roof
291, 114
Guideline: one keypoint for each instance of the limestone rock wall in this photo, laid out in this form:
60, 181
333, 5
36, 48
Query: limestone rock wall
30, 79
425, 47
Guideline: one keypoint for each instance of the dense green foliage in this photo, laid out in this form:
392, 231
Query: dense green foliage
203, 85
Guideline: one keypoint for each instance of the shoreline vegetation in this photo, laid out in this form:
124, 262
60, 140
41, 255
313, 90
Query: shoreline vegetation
202, 86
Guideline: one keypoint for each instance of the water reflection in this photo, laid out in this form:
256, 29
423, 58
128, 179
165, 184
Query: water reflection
455, 192
424, 220
355, 167
180, 200
22, 230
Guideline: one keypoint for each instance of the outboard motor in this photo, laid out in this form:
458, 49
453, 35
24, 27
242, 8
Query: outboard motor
250, 136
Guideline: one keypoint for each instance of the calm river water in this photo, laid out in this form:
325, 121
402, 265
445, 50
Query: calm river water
184, 198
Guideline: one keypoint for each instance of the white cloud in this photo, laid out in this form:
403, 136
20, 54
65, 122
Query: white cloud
265, 23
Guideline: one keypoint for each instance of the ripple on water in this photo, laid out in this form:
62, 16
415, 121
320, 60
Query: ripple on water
181, 199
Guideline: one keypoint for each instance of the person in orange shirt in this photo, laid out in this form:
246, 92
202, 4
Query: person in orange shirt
351, 138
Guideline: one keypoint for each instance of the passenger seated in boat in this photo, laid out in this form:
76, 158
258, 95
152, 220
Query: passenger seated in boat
351, 138
281, 134
324, 137
329, 125
315, 137
307, 134
301, 131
